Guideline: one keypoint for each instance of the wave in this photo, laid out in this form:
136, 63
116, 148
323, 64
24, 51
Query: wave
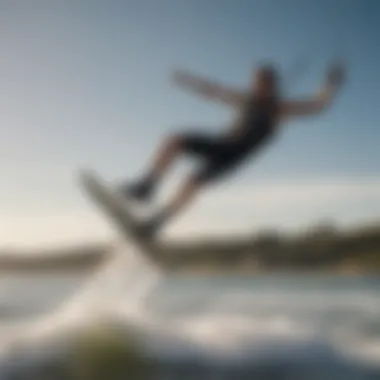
239, 332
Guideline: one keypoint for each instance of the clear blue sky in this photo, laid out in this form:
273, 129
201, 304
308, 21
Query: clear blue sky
85, 83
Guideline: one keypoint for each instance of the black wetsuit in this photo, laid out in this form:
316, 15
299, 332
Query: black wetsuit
223, 153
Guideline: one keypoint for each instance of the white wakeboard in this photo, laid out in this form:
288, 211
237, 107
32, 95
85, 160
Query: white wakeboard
116, 208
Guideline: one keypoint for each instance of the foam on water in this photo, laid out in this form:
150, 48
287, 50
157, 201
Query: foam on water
235, 325
124, 279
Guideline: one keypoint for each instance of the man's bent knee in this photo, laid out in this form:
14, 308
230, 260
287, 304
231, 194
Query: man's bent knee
175, 142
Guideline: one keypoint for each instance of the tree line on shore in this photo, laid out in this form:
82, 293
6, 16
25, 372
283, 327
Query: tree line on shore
322, 247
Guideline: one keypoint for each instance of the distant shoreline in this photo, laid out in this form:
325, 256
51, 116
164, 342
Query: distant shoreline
321, 249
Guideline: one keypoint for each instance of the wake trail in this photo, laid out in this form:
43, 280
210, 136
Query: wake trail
118, 289
126, 278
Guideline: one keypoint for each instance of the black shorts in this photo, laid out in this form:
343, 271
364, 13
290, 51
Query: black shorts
219, 154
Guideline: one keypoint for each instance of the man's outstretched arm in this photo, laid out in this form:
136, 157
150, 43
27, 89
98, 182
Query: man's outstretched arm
208, 88
319, 102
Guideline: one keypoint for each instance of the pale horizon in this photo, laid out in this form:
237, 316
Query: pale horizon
290, 206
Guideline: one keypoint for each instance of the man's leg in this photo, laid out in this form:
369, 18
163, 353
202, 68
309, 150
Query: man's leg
213, 169
196, 144
185, 195
164, 158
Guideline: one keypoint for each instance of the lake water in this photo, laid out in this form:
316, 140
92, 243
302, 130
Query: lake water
266, 327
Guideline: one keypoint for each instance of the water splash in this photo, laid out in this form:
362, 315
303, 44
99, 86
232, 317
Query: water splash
125, 279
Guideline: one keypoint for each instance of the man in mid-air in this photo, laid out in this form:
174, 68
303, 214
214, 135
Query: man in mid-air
260, 110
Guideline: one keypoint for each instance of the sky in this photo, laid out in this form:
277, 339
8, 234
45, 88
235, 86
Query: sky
84, 84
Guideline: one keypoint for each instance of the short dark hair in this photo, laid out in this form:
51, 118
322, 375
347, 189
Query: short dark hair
269, 70
271, 74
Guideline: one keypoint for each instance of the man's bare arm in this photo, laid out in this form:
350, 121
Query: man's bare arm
319, 102
208, 89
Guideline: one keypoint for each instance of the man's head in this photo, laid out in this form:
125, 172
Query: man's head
265, 81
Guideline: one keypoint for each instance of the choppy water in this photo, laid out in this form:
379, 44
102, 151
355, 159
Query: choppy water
266, 327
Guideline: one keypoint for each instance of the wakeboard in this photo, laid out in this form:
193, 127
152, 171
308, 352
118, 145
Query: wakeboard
117, 209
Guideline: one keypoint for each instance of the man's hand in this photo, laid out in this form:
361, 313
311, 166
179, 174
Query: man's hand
192, 82
181, 77
334, 79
